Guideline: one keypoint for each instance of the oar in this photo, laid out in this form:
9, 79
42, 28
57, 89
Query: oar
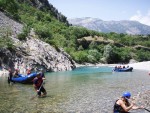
38, 90
41, 86
136, 100
147, 110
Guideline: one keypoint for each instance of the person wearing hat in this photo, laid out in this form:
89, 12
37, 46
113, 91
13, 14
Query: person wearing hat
38, 85
122, 105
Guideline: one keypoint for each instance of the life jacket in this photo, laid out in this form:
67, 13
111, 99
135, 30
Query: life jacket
118, 108
38, 81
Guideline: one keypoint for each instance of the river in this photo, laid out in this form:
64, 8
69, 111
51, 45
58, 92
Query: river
83, 90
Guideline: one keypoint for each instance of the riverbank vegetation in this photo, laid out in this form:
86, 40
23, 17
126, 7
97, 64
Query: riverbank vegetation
53, 28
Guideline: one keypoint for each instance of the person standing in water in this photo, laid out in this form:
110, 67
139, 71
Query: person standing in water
38, 85
10, 76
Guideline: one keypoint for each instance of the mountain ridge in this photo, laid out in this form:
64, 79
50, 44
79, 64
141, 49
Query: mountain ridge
122, 26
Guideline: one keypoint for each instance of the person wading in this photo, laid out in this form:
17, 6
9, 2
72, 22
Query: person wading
38, 85
122, 105
10, 77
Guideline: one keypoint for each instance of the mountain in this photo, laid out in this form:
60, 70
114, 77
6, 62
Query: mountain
33, 34
124, 26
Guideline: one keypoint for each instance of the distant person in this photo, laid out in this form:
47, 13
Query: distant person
16, 73
122, 105
38, 85
10, 77
115, 68
28, 71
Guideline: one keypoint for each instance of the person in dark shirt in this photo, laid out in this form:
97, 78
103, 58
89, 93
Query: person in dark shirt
38, 85
122, 105
10, 77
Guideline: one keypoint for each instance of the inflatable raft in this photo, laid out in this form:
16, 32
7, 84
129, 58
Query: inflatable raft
129, 69
24, 78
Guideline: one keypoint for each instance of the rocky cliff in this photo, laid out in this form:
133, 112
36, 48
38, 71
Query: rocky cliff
32, 53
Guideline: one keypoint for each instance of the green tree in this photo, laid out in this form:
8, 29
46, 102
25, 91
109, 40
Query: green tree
96, 55
80, 56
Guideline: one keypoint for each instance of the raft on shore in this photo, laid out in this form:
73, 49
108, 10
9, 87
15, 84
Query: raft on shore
25, 79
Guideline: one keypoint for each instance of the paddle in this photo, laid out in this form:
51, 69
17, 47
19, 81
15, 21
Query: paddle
136, 100
38, 90
146, 109
40, 86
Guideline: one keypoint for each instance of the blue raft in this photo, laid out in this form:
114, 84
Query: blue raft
24, 78
129, 69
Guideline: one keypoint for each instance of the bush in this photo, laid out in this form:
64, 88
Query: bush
24, 34
143, 55
6, 42
80, 56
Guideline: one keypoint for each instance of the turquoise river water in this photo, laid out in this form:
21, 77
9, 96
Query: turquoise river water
83, 90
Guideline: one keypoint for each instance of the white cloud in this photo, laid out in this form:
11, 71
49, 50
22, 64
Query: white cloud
144, 19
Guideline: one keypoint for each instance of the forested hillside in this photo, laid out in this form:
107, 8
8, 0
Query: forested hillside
82, 44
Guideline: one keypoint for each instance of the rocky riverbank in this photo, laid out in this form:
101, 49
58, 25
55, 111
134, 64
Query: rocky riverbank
31, 53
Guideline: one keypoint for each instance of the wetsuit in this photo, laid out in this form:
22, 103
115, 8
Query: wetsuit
118, 108
38, 82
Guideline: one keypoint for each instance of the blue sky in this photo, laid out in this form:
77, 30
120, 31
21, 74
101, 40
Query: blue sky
106, 10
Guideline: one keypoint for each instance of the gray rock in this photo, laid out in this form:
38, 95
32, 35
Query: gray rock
32, 53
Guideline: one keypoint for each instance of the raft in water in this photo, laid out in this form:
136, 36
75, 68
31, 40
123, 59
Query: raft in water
129, 69
24, 78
